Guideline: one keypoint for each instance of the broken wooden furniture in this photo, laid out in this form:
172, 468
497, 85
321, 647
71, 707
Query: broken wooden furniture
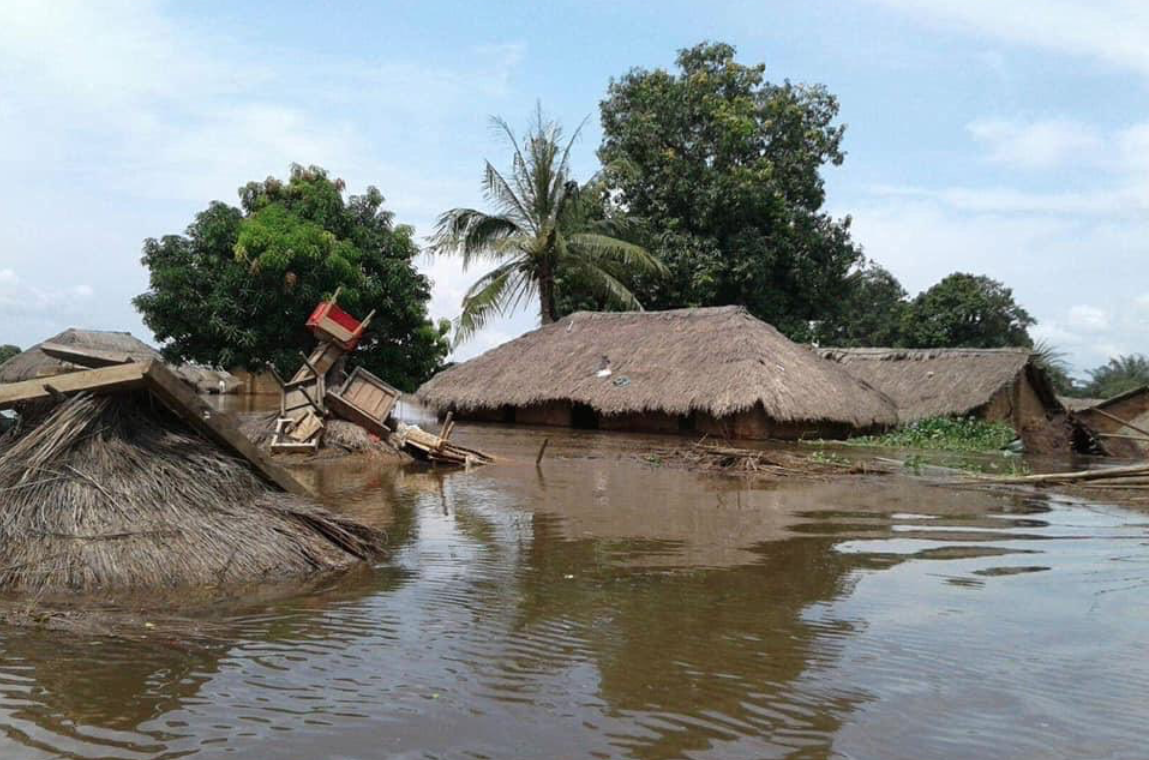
302, 409
165, 386
365, 400
436, 449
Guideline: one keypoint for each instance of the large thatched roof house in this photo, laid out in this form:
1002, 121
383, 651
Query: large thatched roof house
715, 370
999, 384
1119, 421
34, 363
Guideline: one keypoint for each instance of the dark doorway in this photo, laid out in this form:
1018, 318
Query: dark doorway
584, 417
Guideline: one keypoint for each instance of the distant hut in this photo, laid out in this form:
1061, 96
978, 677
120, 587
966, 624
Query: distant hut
1118, 422
717, 371
34, 363
998, 384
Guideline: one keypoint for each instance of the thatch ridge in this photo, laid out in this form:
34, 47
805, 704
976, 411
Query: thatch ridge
932, 382
114, 493
718, 360
33, 362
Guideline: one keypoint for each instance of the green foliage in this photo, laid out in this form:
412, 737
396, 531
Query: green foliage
1118, 375
725, 167
236, 289
7, 351
1053, 362
969, 311
945, 434
549, 237
870, 313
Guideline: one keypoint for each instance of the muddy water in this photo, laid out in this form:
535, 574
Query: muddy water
605, 607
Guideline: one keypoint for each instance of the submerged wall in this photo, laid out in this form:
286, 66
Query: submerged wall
752, 424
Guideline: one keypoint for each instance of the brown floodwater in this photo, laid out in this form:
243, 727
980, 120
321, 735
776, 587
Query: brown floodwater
603, 606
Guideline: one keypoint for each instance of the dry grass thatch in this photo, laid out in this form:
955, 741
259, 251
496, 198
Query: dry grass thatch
113, 493
939, 382
716, 360
34, 363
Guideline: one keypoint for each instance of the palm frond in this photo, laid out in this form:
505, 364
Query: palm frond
484, 299
630, 255
473, 234
606, 286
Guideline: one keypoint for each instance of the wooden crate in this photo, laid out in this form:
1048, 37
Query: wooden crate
365, 400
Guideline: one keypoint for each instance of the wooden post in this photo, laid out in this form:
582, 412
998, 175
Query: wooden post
542, 450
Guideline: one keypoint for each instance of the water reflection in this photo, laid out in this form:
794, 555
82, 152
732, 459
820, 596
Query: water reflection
600, 606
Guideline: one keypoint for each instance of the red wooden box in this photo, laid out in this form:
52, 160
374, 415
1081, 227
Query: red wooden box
329, 322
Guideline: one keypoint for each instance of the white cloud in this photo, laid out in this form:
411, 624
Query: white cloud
1088, 318
1041, 144
19, 299
1110, 31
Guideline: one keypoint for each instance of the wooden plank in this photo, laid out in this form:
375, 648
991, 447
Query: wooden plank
85, 357
214, 425
119, 377
348, 411
1115, 418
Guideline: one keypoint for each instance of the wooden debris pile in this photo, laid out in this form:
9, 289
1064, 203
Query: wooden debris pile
759, 462
321, 390
1132, 477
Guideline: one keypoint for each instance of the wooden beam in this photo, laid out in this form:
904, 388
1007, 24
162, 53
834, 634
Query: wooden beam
85, 357
119, 377
215, 425
1115, 418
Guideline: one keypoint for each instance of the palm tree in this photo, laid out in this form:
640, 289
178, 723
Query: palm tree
539, 230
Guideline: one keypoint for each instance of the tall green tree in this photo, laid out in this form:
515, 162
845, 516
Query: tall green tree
965, 310
7, 351
538, 235
870, 311
726, 167
1118, 375
235, 290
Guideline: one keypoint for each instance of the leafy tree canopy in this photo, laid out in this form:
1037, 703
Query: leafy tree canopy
235, 290
969, 311
870, 313
725, 167
7, 351
1118, 375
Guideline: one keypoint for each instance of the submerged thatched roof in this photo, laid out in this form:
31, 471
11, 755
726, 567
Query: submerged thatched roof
34, 363
115, 493
936, 382
715, 360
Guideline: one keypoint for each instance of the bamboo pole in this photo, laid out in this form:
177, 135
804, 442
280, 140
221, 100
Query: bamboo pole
1115, 418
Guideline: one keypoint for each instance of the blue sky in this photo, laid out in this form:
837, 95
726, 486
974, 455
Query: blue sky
1010, 139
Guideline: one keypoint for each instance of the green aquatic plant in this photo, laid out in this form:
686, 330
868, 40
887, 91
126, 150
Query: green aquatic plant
944, 434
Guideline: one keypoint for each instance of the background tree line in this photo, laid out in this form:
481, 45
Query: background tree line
710, 193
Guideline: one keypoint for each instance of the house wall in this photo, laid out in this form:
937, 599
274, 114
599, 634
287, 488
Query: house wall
255, 383
752, 424
1134, 409
554, 413
1020, 405
646, 422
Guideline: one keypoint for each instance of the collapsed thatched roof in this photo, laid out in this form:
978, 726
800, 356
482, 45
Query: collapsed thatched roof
935, 382
715, 360
113, 493
34, 363
1085, 404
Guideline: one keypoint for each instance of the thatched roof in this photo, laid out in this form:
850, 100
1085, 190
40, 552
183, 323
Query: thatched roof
114, 493
937, 382
1080, 404
1085, 404
34, 363
715, 360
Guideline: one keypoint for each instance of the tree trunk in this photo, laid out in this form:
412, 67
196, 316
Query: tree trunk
547, 306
